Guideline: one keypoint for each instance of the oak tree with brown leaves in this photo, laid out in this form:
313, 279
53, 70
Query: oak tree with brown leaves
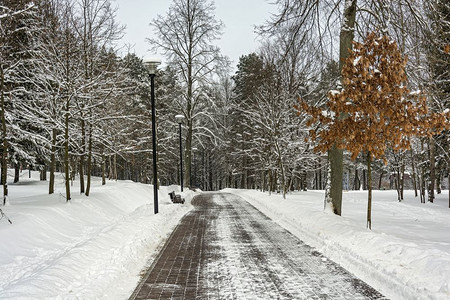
380, 111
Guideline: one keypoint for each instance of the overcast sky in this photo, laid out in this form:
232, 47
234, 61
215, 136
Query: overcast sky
239, 17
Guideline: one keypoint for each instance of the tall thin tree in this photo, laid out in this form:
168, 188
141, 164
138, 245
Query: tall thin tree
185, 36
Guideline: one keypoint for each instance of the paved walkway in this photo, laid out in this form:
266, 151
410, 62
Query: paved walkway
227, 249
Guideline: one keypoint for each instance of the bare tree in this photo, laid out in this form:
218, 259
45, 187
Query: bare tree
185, 36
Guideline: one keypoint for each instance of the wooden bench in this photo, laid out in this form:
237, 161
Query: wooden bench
176, 198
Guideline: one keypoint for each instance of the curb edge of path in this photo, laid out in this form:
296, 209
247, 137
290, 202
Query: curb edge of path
160, 251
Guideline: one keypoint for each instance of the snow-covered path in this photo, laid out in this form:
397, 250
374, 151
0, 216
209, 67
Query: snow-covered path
227, 249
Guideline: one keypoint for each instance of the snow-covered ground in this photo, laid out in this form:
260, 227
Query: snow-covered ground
91, 248
96, 246
406, 255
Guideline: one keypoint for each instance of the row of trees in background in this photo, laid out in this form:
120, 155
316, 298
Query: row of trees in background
299, 58
71, 104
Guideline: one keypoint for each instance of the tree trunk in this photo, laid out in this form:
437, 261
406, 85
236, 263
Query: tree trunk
380, 180
438, 182
316, 176
336, 167
336, 155
328, 200
281, 165
397, 179
114, 167
210, 172
43, 173
413, 166
51, 185
422, 174
283, 179
432, 170
4, 153
66, 151
357, 182
89, 161
364, 178
103, 169
369, 186
270, 181
187, 156
16, 172
83, 150
263, 181
204, 172
402, 178
320, 175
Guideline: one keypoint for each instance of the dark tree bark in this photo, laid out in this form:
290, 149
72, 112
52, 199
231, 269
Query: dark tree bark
89, 162
413, 166
16, 172
357, 182
51, 185
364, 178
4, 139
66, 150
83, 150
369, 186
103, 169
380, 180
336, 155
431, 152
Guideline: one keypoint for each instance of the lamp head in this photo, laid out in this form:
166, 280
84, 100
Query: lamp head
179, 118
151, 64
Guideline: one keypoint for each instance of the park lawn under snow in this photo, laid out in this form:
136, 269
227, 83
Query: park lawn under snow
406, 255
95, 247
91, 248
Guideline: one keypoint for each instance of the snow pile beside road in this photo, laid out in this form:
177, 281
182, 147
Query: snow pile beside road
91, 248
406, 255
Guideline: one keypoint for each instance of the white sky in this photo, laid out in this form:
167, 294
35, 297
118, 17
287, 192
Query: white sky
239, 17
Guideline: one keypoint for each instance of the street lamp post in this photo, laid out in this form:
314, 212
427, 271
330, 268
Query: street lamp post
195, 167
179, 119
151, 64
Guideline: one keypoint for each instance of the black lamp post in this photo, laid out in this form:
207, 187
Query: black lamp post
195, 167
179, 119
151, 64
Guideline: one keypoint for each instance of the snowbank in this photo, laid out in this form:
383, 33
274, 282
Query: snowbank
91, 248
406, 255
95, 247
